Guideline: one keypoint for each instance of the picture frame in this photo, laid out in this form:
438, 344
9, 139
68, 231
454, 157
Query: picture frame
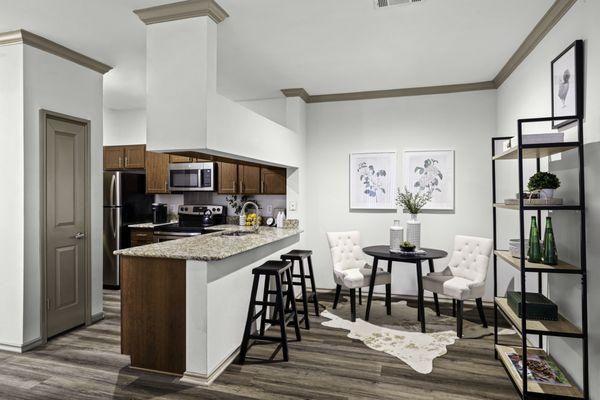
432, 171
373, 180
567, 84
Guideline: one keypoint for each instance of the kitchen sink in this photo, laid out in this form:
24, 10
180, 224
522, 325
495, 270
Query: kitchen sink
238, 233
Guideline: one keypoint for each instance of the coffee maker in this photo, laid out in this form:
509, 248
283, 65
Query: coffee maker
160, 214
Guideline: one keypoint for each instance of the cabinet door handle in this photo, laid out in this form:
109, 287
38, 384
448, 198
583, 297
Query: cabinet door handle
233, 186
126, 161
166, 185
120, 161
262, 186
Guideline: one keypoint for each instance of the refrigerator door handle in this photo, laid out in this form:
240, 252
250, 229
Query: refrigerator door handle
112, 223
112, 191
118, 228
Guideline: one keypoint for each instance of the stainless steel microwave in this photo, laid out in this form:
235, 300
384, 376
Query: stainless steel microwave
189, 177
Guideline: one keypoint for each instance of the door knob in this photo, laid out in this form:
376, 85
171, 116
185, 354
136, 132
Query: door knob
79, 235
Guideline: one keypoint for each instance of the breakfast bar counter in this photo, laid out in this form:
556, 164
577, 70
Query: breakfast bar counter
184, 302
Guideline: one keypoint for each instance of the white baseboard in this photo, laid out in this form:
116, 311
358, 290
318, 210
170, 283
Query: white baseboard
195, 378
21, 348
97, 317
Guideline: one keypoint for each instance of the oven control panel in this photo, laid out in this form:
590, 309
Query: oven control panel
200, 209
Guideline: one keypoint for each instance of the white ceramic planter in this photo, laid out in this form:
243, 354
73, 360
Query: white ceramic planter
546, 193
396, 237
413, 231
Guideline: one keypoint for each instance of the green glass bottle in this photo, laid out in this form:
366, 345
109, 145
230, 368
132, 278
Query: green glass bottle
549, 255
535, 252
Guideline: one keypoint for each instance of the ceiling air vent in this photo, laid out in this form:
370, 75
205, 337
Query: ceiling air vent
388, 3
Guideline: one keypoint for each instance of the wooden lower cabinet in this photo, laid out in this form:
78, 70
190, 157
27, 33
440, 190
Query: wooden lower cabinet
157, 172
141, 236
153, 313
273, 180
249, 179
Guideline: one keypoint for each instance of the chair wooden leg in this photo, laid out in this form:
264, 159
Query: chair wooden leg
338, 289
246, 339
281, 317
353, 305
454, 308
290, 295
304, 296
360, 296
435, 296
313, 286
459, 318
265, 308
481, 312
388, 298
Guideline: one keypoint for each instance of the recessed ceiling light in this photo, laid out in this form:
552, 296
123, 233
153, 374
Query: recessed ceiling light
388, 3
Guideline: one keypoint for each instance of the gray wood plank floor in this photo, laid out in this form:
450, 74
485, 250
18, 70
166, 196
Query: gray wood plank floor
86, 364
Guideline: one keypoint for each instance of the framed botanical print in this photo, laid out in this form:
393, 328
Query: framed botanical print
432, 172
373, 180
567, 84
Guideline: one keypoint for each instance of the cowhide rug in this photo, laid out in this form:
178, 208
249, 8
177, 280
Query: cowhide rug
399, 334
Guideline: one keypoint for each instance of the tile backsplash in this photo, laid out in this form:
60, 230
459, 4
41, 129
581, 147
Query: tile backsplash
266, 202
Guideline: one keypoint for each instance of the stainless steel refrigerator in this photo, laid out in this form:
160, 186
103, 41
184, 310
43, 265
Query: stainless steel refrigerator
125, 203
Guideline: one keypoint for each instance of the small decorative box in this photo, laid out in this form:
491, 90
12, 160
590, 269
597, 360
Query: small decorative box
539, 307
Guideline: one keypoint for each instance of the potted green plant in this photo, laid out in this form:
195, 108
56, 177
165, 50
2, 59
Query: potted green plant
413, 203
545, 183
407, 246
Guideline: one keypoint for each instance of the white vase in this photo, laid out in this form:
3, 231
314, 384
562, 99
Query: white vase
242, 219
413, 231
396, 237
546, 193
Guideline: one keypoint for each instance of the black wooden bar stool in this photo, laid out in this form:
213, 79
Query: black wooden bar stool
282, 273
300, 256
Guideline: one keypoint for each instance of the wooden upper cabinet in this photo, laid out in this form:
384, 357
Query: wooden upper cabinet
157, 172
227, 177
249, 179
273, 180
114, 157
174, 158
135, 156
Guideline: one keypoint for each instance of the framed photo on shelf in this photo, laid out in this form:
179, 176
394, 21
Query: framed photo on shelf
373, 181
432, 172
567, 84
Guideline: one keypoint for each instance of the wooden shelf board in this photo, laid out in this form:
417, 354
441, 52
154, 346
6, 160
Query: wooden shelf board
561, 267
533, 387
562, 327
538, 207
536, 150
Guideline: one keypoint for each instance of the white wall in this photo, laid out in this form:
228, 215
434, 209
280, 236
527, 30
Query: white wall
12, 246
463, 122
527, 93
273, 109
54, 84
122, 127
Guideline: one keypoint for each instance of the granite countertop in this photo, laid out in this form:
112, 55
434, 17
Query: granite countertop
211, 246
149, 225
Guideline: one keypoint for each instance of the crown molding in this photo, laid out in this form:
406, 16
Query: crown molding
182, 10
41, 43
382, 94
539, 32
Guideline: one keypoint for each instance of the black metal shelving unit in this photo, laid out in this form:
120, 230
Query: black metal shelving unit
563, 327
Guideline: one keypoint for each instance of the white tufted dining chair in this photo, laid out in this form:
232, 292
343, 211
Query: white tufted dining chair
464, 277
350, 268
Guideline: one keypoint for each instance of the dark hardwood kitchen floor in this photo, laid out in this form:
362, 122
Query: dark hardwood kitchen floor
86, 364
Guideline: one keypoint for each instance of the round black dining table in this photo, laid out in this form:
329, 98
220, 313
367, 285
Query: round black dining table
383, 253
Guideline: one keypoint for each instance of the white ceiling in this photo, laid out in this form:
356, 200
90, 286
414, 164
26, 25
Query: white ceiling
324, 46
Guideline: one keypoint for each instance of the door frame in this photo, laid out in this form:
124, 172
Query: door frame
44, 116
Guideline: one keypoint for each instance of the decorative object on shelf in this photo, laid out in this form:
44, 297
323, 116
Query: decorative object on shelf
431, 172
534, 254
567, 84
396, 236
541, 369
544, 182
372, 180
413, 202
549, 255
514, 245
408, 247
535, 202
539, 307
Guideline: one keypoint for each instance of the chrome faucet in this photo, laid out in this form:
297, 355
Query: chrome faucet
256, 222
